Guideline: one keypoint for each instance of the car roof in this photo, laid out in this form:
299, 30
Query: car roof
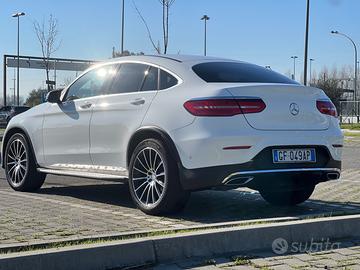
177, 63
170, 57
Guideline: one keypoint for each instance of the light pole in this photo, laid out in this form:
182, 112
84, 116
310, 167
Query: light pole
14, 79
306, 40
205, 18
311, 60
122, 26
355, 48
294, 57
18, 15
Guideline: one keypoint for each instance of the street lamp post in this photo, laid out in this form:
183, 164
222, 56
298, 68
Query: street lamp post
18, 15
14, 80
294, 57
205, 18
311, 60
355, 48
122, 26
306, 40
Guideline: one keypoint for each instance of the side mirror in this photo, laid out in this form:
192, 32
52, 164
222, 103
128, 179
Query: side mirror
54, 96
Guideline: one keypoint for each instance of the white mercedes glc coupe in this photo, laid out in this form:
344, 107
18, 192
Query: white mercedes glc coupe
170, 125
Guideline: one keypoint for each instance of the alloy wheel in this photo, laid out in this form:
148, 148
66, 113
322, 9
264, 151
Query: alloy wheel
16, 162
149, 177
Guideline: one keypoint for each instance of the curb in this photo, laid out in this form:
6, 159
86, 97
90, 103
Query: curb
76, 240
153, 250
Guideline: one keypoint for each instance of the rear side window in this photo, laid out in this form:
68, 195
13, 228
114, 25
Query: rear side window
234, 72
133, 77
150, 81
167, 80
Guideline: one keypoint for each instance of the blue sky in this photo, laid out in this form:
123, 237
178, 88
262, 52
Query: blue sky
265, 32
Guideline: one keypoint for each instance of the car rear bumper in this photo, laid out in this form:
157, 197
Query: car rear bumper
262, 173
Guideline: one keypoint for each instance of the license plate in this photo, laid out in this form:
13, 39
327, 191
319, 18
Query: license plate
294, 155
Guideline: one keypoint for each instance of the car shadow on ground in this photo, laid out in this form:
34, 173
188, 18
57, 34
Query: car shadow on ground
204, 206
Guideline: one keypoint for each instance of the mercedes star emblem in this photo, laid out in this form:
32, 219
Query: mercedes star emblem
294, 109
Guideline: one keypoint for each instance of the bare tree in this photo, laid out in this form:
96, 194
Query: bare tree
166, 4
124, 53
47, 36
329, 83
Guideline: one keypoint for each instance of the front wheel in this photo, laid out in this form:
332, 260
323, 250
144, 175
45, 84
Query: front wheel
154, 180
287, 198
20, 165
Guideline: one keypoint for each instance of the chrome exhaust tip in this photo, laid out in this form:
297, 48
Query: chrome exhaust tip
237, 181
332, 176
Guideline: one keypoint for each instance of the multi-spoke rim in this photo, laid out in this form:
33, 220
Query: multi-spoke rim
149, 176
16, 162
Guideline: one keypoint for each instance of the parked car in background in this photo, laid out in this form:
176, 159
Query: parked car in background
174, 124
8, 112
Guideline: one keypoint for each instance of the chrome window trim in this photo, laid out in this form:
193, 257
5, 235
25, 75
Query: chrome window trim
178, 78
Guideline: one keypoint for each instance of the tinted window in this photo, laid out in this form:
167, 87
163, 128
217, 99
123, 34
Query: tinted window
232, 72
151, 79
167, 80
132, 77
91, 84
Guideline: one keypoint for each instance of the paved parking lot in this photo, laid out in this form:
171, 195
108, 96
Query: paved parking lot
68, 208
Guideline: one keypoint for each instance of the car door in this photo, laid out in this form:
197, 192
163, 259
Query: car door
66, 125
120, 112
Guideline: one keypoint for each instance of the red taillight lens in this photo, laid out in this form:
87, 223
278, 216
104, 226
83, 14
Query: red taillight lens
326, 107
212, 107
224, 107
251, 105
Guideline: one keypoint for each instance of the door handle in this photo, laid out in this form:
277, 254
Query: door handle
138, 101
86, 105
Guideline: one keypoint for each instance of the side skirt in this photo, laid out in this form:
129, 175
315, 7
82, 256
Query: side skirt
87, 171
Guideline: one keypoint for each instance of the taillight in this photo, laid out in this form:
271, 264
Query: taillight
212, 107
224, 107
251, 105
326, 107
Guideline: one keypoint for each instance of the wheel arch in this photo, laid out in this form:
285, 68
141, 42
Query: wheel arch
7, 137
154, 132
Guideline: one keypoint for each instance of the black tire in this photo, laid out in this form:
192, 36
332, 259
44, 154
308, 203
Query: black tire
149, 178
287, 198
20, 166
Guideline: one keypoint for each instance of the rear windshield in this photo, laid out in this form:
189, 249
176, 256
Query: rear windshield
234, 72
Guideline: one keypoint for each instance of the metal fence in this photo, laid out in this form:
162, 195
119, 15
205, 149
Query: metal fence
349, 112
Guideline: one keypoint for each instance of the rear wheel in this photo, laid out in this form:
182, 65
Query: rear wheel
287, 198
20, 166
154, 181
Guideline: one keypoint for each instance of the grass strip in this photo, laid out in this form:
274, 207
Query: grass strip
350, 126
